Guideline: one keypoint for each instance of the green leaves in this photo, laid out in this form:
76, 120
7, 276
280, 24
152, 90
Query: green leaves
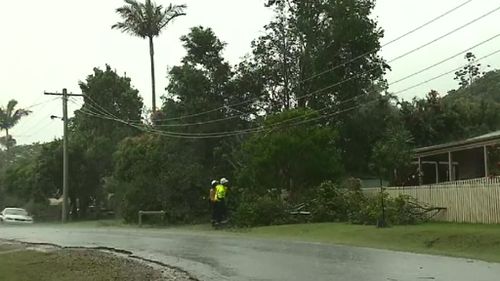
293, 158
312, 45
393, 151
154, 173
146, 19
9, 117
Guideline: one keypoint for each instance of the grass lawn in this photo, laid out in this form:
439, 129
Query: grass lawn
66, 265
460, 240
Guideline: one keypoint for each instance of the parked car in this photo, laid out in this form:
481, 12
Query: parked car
15, 215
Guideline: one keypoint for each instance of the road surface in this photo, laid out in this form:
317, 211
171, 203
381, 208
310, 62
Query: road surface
221, 257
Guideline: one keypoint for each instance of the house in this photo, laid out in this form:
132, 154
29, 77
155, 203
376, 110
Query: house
476, 157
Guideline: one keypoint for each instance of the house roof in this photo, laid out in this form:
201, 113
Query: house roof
474, 142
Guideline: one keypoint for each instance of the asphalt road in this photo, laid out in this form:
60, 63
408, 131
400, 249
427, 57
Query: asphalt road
220, 257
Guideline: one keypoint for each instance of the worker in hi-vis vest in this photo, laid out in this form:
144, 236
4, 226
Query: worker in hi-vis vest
220, 201
211, 199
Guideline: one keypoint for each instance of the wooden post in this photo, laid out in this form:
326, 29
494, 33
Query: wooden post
450, 167
419, 171
437, 171
140, 218
485, 156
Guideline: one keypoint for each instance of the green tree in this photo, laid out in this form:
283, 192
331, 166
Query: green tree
147, 20
155, 173
17, 172
391, 153
459, 115
95, 133
469, 73
295, 158
9, 117
323, 54
311, 45
205, 82
362, 127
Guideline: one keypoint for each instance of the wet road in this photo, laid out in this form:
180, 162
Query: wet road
219, 257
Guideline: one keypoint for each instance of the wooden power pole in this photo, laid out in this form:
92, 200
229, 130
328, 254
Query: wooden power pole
65, 95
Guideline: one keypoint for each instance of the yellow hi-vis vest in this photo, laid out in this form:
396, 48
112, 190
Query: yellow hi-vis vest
220, 192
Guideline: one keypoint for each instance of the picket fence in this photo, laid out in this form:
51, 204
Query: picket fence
466, 201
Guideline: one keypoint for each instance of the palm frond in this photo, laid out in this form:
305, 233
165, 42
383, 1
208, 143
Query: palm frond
172, 12
146, 19
9, 117
10, 107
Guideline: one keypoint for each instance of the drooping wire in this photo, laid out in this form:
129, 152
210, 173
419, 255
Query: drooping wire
349, 61
282, 124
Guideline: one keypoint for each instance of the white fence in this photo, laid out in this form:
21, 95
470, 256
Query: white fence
472, 201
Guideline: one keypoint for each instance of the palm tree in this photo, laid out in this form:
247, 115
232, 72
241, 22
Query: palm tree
147, 20
9, 117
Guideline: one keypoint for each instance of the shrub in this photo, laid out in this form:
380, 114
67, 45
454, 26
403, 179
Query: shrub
328, 203
259, 211
42, 211
346, 202
398, 210
403, 212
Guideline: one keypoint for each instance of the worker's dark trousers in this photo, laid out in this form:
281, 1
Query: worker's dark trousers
213, 212
220, 210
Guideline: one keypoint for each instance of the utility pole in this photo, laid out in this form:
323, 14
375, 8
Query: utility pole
65, 95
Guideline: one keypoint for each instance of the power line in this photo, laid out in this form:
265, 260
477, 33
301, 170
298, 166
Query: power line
391, 41
39, 126
228, 133
444, 74
41, 103
268, 128
446, 34
445, 60
171, 133
392, 60
29, 126
336, 84
330, 86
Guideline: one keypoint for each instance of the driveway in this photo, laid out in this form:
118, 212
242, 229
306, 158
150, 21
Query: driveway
224, 257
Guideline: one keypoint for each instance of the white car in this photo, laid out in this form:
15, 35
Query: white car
15, 215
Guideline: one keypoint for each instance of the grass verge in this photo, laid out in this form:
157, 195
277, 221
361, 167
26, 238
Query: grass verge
70, 265
475, 241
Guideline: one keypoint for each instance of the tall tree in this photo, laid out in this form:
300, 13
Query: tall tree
147, 20
9, 117
296, 158
470, 72
93, 140
318, 53
392, 152
204, 82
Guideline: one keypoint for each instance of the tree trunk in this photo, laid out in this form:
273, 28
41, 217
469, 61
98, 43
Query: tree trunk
153, 84
7, 142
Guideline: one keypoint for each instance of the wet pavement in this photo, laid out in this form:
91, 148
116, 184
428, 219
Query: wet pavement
220, 257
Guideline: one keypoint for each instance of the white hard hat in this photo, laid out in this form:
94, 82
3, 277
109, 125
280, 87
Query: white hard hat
214, 182
223, 181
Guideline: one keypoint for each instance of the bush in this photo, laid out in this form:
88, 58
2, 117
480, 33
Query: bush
260, 211
346, 202
43, 212
329, 203
398, 210
402, 212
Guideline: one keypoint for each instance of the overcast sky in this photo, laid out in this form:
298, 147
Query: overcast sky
51, 44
